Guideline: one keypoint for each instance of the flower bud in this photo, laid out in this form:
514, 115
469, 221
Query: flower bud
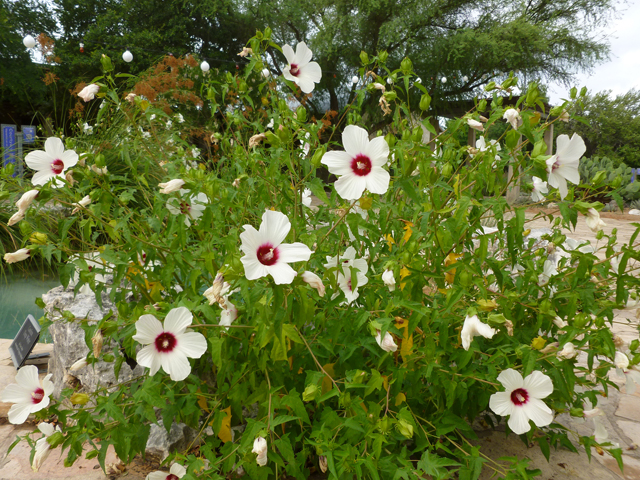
171, 186
97, 341
310, 393
79, 364
405, 428
406, 66
364, 58
79, 398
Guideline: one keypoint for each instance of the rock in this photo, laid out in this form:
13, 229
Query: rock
634, 211
161, 443
69, 343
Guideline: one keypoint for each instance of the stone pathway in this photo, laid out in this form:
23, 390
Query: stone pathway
622, 418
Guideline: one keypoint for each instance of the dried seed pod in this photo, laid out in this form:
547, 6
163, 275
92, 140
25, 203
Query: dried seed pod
97, 341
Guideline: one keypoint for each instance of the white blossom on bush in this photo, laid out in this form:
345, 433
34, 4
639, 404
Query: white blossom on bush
300, 69
345, 277
387, 343
191, 206
522, 400
171, 186
42, 445
315, 281
27, 394
593, 220
265, 254
539, 189
473, 327
389, 280
169, 345
17, 256
176, 472
563, 165
51, 163
359, 167
88, 93
260, 448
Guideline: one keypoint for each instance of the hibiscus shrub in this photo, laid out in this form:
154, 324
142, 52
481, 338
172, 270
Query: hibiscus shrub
360, 328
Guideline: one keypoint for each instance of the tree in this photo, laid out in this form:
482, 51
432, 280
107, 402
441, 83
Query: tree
21, 85
468, 43
610, 126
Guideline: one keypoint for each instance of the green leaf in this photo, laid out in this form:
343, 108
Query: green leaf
434, 465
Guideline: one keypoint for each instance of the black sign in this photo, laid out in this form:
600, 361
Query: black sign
24, 342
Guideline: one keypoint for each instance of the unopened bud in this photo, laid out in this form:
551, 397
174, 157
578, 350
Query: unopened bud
79, 398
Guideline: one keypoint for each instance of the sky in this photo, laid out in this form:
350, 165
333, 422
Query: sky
622, 72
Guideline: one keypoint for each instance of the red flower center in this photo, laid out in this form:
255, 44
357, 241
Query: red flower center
171, 476
165, 342
57, 166
267, 254
294, 70
37, 396
185, 208
519, 396
361, 165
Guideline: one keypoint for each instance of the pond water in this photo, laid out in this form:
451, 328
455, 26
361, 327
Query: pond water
17, 299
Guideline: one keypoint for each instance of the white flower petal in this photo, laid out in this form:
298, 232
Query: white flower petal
303, 54
338, 163
518, 421
289, 54
38, 160
294, 252
378, 151
16, 394
177, 320
176, 365
539, 412
500, 403
378, 180
538, 385
19, 412
149, 357
355, 140
178, 470
274, 227
350, 186
282, 273
27, 377
54, 147
511, 380
148, 328
192, 344
42, 177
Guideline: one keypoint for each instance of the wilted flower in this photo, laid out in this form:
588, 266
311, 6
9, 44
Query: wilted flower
379, 86
188, 205
27, 395
593, 220
265, 254
98, 171
568, 351
88, 93
300, 69
130, 97
79, 364
389, 280
360, 165
386, 343
15, 218
171, 186
17, 256
26, 199
179, 118
216, 291
563, 165
87, 129
81, 204
473, 327
42, 446
260, 448
256, 139
51, 163
476, 125
97, 340
322, 462
315, 281
539, 188
621, 361
347, 262
169, 345
564, 116
246, 51
548, 271
176, 472
512, 116
522, 400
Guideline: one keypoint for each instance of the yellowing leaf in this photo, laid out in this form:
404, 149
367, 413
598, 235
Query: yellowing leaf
406, 347
366, 203
450, 260
225, 429
327, 384
404, 272
487, 305
390, 240
407, 231
202, 402
401, 397
385, 382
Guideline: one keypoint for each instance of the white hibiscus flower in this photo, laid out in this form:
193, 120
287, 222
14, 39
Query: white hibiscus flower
360, 165
345, 277
51, 163
563, 165
190, 206
176, 472
27, 395
169, 346
301, 70
473, 327
522, 400
265, 254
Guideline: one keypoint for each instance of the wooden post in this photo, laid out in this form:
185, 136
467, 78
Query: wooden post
513, 191
471, 139
548, 139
